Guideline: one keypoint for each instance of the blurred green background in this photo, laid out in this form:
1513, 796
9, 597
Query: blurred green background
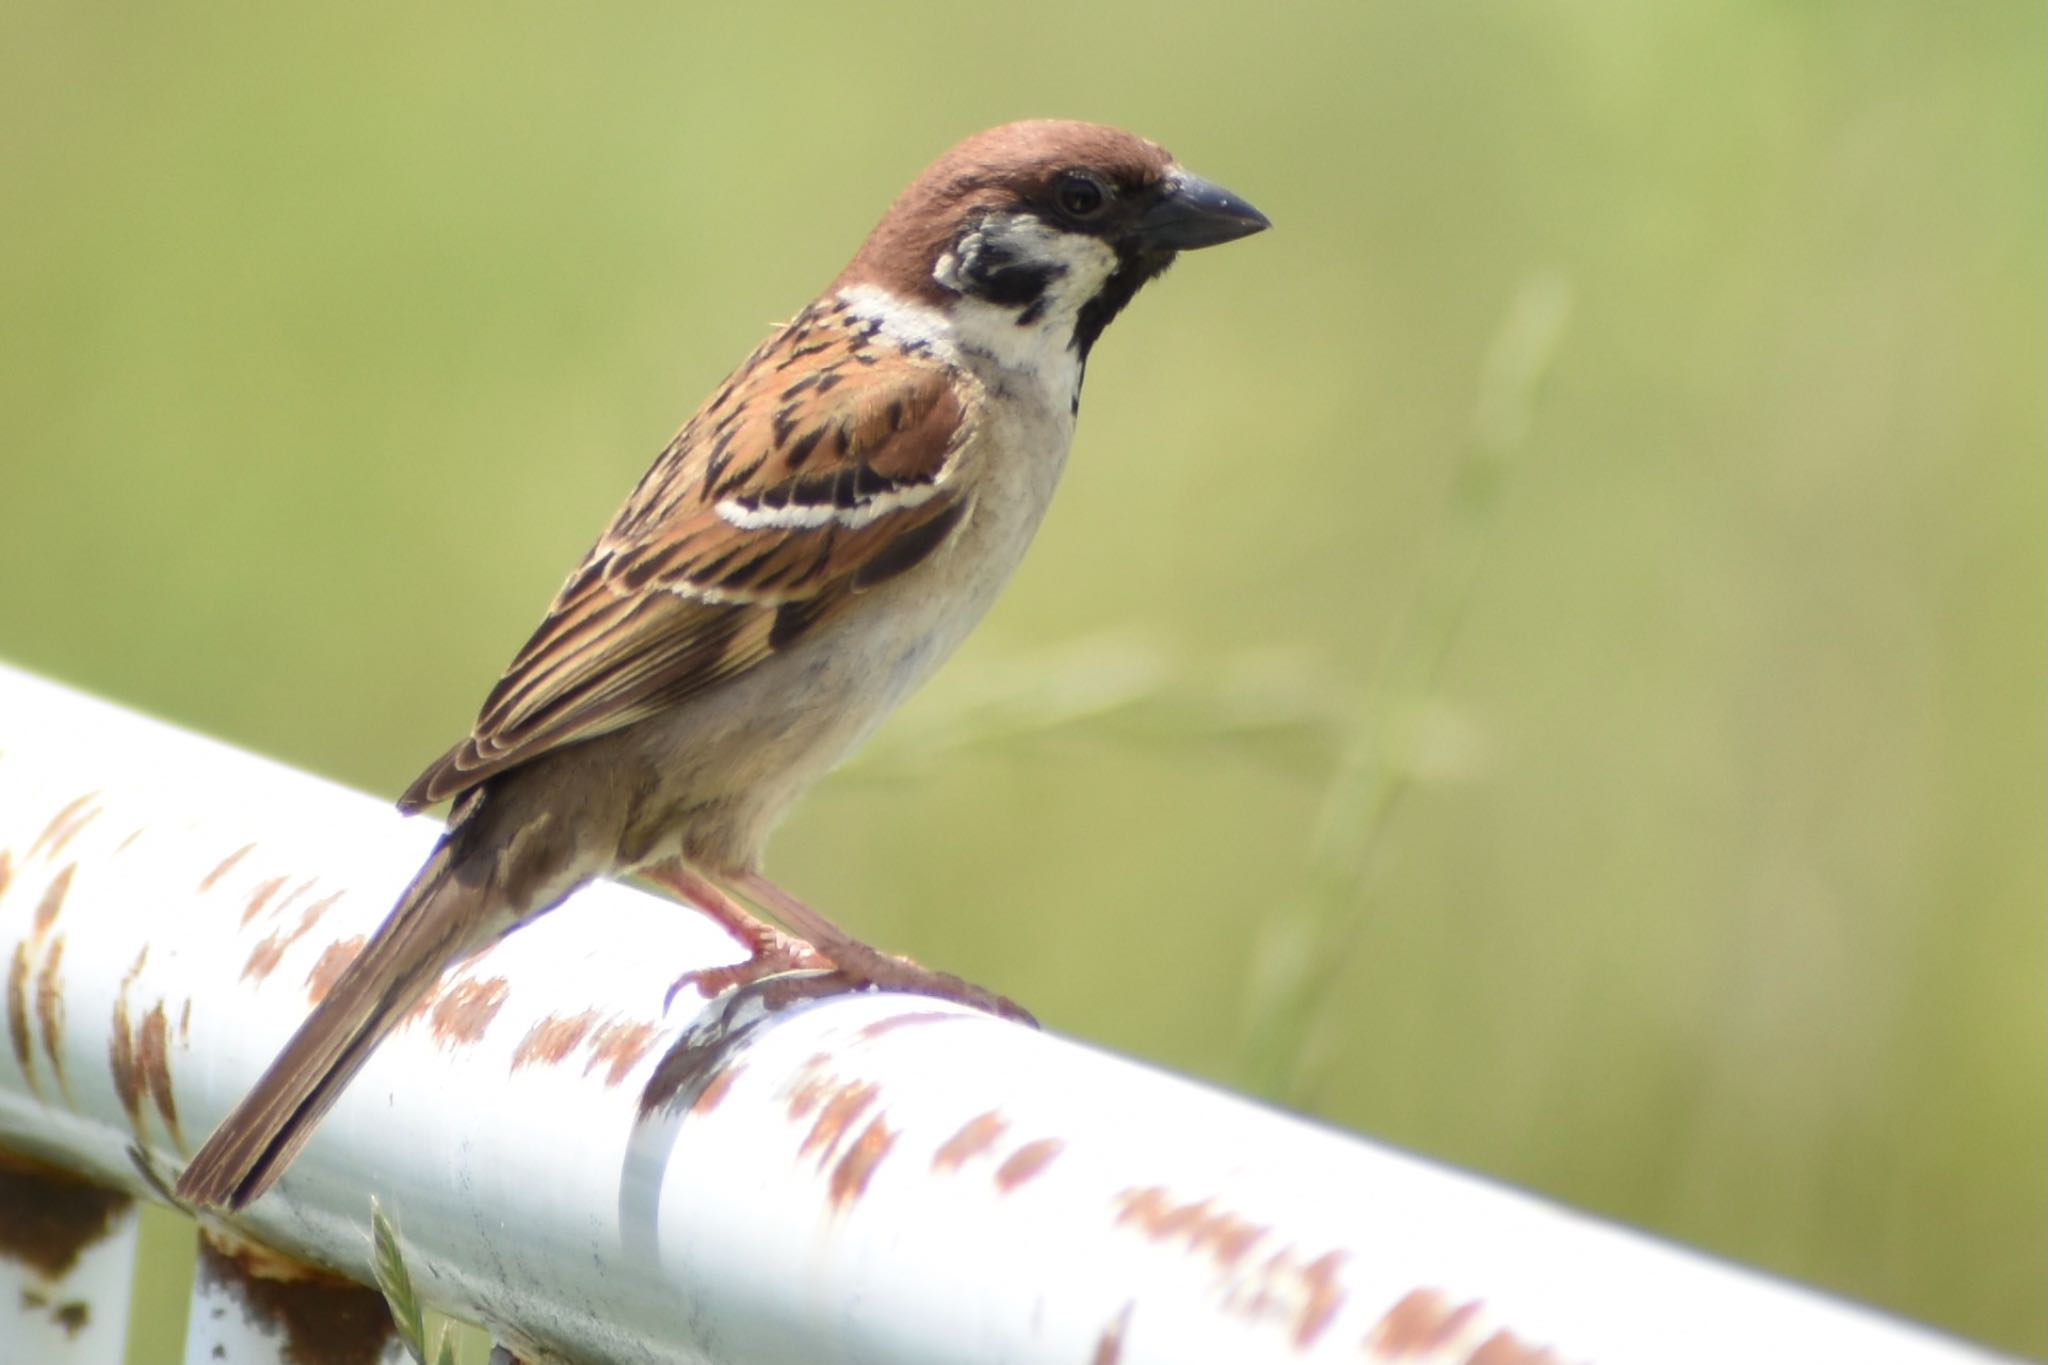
1538, 659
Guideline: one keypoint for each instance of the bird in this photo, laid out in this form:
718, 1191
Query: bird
816, 538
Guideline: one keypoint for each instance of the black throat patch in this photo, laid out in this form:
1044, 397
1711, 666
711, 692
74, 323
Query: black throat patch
1135, 269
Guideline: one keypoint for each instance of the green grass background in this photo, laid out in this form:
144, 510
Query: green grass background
1538, 659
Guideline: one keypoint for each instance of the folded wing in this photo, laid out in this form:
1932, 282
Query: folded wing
826, 465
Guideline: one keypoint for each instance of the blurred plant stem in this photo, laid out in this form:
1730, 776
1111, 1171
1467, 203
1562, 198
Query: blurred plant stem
1278, 706
1397, 731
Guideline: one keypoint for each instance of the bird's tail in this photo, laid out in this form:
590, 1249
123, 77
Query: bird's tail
442, 916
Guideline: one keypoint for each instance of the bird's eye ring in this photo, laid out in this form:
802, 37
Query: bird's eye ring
1080, 196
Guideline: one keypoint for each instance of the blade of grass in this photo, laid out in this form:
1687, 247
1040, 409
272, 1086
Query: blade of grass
1304, 952
387, 1263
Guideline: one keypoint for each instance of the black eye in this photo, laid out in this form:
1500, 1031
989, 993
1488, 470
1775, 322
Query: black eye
1079, 195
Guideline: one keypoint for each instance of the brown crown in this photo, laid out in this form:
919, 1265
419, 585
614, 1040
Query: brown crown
999, 168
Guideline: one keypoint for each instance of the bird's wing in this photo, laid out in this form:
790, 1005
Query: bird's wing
826, 464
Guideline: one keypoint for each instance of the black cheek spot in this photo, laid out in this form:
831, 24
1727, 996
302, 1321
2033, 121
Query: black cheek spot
1017, 286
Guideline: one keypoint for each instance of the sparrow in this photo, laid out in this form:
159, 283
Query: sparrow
803, 553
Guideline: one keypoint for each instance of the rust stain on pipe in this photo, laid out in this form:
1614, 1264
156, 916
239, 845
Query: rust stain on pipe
52, 1216
976, 1136
259, 896
153, 1058
52, 903
224, 866
1323, 1298
553, 1038
1422, 1321
1110, 1347
71, 1317
620, 1046
851, 1175
847, 1102
714, 1089
804, 1098
332, 963
17, 1016
50, 1009
1026, 1162
1304, 1292
910, 1020
1426, 1323
465, 1010
1223, 1236
121, 1059
316, 1318
264, 958
1504, 1348
1283, 1287
65, 824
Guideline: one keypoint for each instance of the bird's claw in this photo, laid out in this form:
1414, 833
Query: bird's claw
775, 954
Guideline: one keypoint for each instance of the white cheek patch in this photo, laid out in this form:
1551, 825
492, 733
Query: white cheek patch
1032, 341
1081, 262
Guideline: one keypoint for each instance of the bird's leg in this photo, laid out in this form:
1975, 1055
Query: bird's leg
863, 963
770, 951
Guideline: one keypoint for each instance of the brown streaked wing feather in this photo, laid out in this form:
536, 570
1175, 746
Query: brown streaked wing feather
675, 598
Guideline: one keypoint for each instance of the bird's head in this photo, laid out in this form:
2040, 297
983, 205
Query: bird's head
1045, 226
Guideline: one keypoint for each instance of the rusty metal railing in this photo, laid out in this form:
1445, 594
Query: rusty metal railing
594, 1178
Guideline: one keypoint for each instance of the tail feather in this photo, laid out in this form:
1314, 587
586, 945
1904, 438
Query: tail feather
439, 918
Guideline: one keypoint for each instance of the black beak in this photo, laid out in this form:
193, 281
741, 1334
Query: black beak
1194, 213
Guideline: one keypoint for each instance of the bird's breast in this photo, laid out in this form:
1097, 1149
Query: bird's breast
912, 624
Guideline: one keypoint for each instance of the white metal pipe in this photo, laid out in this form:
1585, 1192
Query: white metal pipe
859, 1178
